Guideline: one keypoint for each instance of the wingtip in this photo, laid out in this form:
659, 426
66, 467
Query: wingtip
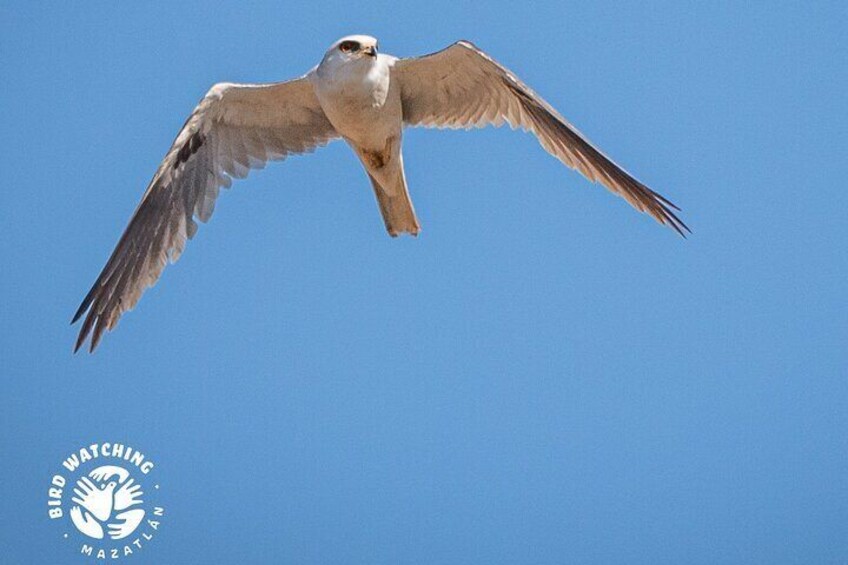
97, 334
90, 323
83, 331
668, 217
92, 344
681, 224
80, 311
84, 305
679, 227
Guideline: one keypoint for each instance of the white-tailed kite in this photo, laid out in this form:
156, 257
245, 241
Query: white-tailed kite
356, 94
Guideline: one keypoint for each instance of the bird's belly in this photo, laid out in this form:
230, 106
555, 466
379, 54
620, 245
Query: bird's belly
362, 121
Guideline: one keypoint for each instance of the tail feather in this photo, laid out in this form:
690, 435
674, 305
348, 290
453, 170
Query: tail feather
395, 205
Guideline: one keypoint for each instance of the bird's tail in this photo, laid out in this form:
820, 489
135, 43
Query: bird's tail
395, 204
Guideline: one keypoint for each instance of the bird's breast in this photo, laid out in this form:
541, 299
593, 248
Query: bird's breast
360, 102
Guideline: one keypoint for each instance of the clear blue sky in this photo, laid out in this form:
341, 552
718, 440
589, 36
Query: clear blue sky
543, 376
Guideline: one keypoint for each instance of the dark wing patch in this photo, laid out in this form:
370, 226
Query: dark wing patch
189, 148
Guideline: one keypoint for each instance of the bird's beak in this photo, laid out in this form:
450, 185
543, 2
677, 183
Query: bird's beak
371, 50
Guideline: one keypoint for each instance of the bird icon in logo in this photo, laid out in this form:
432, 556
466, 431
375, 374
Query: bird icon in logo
104, 497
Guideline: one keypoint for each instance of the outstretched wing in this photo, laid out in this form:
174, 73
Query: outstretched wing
463, 87
233, 129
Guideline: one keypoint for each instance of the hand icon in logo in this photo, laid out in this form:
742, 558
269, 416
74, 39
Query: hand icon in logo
128, 522
86, 524
93, 499
128, 495
107, 472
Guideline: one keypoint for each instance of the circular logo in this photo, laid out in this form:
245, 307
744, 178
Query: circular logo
105, 498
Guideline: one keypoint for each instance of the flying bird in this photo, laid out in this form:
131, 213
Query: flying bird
356, 94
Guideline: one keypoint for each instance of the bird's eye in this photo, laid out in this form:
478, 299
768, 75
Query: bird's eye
348, 46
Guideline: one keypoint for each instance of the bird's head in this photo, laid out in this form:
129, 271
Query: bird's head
352, 48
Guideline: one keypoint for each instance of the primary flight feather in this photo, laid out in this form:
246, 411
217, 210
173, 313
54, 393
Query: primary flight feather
356, 94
